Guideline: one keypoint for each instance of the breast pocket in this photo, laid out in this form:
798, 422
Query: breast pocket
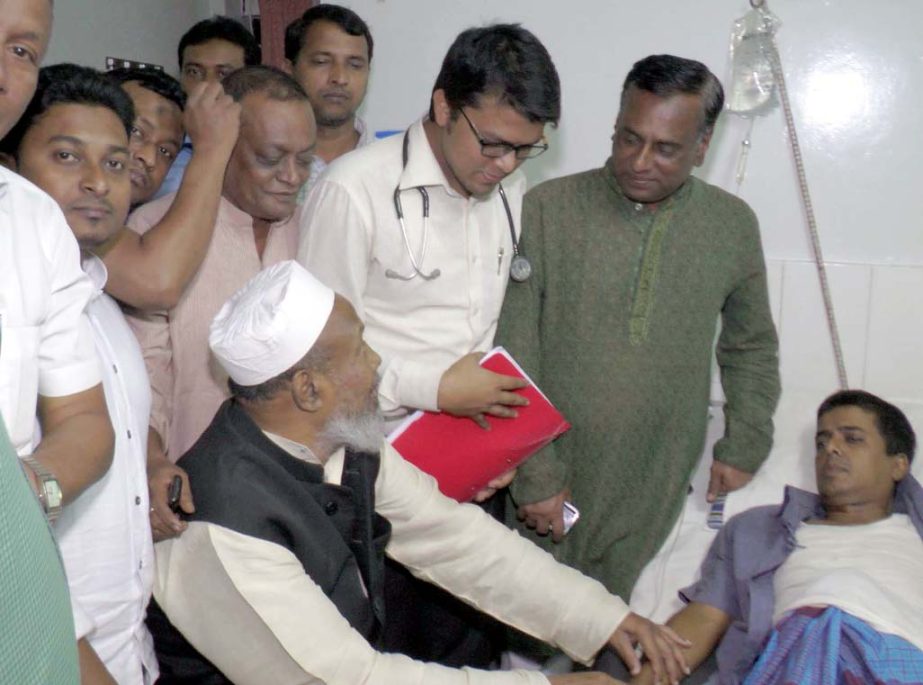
19, 379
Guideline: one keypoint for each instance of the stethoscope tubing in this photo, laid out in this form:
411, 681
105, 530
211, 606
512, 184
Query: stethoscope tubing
417, 266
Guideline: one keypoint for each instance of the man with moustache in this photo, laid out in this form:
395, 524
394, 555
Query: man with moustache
72, 142
46, 359
207, 53
419, 233
633, 264
256, 226
824, 587
279, 578
329, 52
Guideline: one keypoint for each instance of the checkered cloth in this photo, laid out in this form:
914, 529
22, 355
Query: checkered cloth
37, 643
830, 647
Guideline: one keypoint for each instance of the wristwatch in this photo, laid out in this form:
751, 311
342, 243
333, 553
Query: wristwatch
49, 490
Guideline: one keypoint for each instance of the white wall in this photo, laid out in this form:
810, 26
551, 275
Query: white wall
88, 31
856, 82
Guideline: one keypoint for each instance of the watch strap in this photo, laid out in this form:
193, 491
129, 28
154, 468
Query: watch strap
49, 490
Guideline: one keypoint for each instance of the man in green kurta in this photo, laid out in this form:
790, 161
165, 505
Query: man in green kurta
632, 264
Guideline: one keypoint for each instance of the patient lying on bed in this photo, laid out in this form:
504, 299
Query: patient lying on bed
822, 588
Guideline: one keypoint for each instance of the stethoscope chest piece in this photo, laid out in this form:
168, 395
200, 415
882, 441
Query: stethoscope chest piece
520, 269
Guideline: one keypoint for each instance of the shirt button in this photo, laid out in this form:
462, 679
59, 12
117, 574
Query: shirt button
129, 435
138, 500
331, 508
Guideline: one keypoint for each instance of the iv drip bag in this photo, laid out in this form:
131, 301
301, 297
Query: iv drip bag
751, 82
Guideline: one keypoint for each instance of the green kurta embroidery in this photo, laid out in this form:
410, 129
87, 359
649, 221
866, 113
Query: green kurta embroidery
645, 290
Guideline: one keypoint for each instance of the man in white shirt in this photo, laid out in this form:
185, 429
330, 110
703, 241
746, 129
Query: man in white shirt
72, 142
279, 577
46, 357
47, 360
328, 50
419, 233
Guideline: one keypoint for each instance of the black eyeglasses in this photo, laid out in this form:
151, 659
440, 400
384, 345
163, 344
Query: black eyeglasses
495, 150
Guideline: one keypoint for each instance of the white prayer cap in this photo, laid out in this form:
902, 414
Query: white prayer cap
270, 323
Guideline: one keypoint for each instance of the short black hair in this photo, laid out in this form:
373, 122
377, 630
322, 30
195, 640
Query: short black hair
666, 75
65, 84
506, 61
221, 28
892, 422
346, 19
262, 78
153, 80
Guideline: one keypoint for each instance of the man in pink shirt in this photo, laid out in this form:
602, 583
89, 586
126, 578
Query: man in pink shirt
257, 226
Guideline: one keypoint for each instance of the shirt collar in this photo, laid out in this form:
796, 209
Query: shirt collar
632, 210
365, 136
422, 168
236, 218
94, 267
295, 449
800, 505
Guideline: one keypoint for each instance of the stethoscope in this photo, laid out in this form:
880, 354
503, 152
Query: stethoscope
520, 268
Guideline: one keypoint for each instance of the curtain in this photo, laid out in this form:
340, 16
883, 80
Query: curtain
275, 15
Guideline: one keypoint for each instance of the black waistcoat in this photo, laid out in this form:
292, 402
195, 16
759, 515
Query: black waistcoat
243, 481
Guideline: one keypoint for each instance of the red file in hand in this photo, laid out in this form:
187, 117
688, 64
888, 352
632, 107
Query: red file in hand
462, 456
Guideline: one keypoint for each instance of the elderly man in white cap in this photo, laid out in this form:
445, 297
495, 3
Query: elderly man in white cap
278, 578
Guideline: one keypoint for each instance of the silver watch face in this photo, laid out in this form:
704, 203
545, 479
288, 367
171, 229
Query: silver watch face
520, 269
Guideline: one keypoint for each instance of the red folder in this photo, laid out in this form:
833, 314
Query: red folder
462, 456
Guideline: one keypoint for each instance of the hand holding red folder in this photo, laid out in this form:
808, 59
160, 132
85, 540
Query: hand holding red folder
464, 457
468, 389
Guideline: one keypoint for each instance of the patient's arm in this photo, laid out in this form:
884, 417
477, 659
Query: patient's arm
701, 624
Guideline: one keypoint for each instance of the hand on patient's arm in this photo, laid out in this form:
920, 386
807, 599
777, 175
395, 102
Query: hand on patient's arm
703, 625
77, 439
724, 479
589, 678
92, 669
468, 389
160, 472
663, 648
153, 270
546, 516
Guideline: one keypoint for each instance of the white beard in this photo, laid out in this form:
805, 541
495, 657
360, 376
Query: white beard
359, 432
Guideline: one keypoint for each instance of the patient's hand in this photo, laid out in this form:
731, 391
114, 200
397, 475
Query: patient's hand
589, 678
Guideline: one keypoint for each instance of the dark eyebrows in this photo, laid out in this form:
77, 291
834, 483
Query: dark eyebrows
25, 35
77, 142
61, 138
828, 433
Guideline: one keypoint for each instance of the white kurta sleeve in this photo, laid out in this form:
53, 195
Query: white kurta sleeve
336, 246
463, 550
67, 358
248, 606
